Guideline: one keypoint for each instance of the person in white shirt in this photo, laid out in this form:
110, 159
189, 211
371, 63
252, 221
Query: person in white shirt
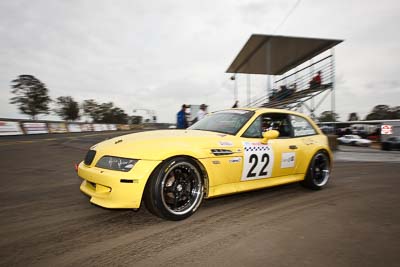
202, 112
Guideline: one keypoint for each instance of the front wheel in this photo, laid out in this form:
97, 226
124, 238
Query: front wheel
318, 172
175, 190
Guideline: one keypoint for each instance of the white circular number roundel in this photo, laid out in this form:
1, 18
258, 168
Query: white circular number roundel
258, 161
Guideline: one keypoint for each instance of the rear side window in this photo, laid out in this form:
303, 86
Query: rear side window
301, 127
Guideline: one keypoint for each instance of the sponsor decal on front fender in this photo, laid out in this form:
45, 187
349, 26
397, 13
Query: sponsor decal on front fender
225, 143
235, 160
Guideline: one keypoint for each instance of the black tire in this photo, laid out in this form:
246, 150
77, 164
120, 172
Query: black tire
318, 172
175, 190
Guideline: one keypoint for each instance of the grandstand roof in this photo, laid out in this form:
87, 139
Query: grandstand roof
275, 55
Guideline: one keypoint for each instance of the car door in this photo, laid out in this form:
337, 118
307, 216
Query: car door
305, 137
279, 157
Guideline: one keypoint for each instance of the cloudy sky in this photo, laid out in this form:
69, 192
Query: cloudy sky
160, 54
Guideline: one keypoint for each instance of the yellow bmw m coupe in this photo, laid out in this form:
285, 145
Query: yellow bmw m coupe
227, 152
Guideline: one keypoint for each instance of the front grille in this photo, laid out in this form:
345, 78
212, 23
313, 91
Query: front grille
89, 157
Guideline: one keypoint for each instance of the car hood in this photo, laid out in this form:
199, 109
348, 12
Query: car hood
161, 144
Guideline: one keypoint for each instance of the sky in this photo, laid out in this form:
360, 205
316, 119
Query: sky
157, 55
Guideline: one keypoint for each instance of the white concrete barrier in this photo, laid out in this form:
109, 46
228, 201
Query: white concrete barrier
97, 127
10, 128
112, 127
35, 127
57, 127
104, 127
74, 128
20, 127
87, 127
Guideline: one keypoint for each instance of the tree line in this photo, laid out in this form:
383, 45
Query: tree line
379, 112
32, 98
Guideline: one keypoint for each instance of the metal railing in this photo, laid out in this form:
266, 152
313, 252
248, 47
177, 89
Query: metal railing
297, 81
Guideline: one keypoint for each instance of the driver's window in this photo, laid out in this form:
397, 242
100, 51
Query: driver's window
269, 121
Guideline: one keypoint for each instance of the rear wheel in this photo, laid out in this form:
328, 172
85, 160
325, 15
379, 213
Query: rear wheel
318, 172
175, 190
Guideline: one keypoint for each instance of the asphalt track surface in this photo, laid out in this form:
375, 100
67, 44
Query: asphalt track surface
46, 221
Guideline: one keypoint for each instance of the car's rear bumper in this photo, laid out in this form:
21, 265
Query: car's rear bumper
116, 189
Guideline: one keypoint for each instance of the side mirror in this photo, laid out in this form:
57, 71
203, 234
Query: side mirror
268, 135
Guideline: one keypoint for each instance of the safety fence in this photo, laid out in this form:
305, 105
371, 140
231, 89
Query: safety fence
21, 127
299, 80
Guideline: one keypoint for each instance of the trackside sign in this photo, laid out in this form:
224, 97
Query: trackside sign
386, 129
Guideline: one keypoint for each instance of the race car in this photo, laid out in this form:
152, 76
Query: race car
226, 152
354, 140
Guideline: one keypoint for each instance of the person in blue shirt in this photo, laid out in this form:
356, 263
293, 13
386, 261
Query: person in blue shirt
181, 120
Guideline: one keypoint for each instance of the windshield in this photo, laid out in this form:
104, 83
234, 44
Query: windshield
226, 121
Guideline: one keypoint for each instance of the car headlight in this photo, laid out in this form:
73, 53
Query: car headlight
116, 163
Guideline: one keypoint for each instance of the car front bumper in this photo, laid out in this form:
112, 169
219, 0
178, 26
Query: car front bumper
116, 189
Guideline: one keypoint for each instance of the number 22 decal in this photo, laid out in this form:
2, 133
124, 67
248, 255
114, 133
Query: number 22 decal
258, 161
254, 161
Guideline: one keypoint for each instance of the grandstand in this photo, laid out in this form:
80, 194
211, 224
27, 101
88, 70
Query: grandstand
292, 62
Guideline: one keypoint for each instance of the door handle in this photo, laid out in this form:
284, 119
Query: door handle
293, 147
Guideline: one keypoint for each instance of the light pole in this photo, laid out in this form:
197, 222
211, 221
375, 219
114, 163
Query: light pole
235, 89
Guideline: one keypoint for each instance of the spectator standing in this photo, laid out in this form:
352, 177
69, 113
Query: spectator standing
316, 80
202, 112
181, 120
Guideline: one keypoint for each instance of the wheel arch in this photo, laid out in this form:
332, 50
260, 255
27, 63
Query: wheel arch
322, 150
306, 165
329, 154
326, 152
